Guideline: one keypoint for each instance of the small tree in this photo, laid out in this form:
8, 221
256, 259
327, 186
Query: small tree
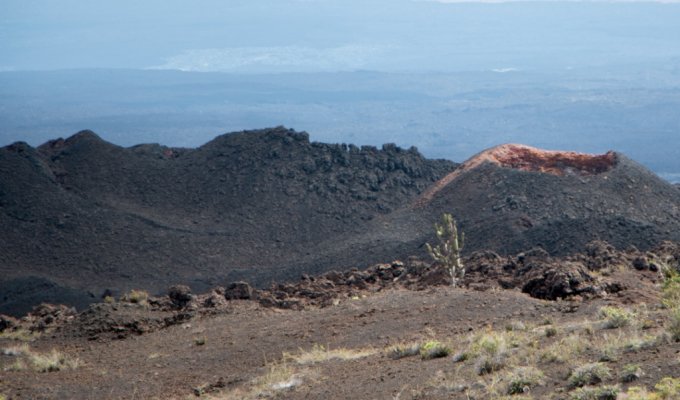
448, 250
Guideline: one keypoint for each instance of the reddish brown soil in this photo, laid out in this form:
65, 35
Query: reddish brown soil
527, 158
239, 343
244, 338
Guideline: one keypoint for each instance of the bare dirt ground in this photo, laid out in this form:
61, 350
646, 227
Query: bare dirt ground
345, 350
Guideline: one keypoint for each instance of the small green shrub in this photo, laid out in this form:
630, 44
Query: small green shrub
403, 350
630, 373
674, 324
515, 326
52, 361
670, 295
490, 344
523, 379
596, 393
137, 297
487, 365
639, 393
589, 374
434, 349
21, 334
40, 362
550, 331
637, 343
668, 388
18, 365
615, 317
15, 351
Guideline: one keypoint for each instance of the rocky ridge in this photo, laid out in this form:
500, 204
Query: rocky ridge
86, 218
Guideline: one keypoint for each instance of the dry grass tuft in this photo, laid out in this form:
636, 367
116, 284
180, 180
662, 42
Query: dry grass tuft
596, 393
320, 353
278, 378
630, 373
22, 335
434, 349
140, 297
615, 317
589, 374
16, 350
40, 362
522, 379
402, 350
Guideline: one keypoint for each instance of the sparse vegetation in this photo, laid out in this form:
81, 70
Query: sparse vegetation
523, 379
615, 317
674, 324
589, 374
140, 297
448, 251
17, 365
515, 326
596, 393
22, 335
508, 359
630, 373
278, 376
564, 349
668, 388
402, 350
320, 353
40, 362
670, 296
52, 361
671, 300
635, 342
15, 351
489, 351
434, 349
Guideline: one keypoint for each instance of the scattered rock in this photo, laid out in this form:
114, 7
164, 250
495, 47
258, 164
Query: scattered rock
239, 291
180, 295
7, 323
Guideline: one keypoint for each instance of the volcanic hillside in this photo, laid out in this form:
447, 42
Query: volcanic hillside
82, 216
89, 215
512, 198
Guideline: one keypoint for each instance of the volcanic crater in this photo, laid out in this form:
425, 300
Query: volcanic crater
86, 216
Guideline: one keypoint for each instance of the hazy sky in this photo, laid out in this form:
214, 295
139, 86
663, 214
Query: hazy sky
330, 35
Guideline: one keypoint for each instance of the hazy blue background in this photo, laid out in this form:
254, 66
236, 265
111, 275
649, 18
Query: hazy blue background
450, 77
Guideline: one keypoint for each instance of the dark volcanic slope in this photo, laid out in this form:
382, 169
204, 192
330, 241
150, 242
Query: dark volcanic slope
512, 198
88, 214
82, 214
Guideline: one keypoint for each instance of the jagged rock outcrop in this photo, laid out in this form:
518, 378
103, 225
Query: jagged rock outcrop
85, 217
88, 215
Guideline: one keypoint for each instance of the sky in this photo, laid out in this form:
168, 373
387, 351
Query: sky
334, 35
606, 70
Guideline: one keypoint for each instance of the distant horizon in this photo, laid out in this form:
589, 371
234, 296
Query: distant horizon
452, 77
331, 35
672, 177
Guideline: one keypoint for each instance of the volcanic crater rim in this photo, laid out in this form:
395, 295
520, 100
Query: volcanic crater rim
529, 159
560, 163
